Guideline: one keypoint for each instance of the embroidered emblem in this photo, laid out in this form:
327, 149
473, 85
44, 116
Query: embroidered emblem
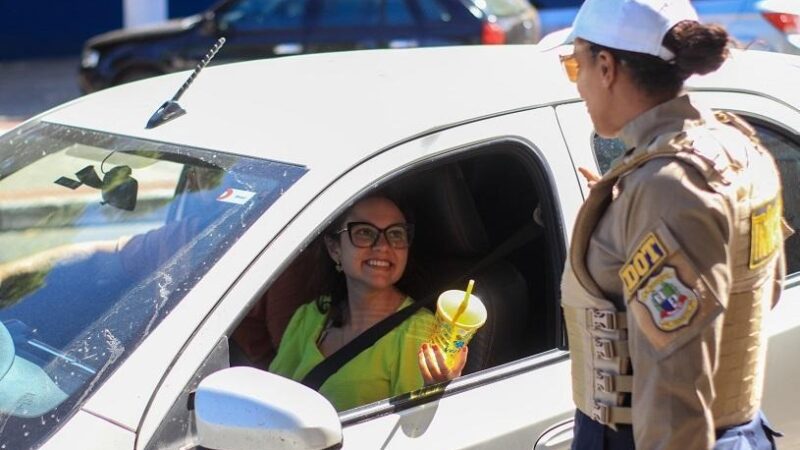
671, 304
650, 253
765, 232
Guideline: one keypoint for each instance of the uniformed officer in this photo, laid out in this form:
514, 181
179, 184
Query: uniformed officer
677, 253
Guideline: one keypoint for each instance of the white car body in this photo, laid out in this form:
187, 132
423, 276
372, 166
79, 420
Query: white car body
356, 120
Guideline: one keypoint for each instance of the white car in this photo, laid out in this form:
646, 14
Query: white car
129, 255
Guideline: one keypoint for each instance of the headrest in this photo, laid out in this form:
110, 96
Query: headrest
447, 220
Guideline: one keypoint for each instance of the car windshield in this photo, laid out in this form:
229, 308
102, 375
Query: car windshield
100, 237
501, 7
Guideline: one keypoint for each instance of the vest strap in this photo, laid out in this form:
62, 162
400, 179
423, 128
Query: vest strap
611, 415
605, 320
608, 382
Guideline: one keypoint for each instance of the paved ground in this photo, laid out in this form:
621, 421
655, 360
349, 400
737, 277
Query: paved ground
29, 87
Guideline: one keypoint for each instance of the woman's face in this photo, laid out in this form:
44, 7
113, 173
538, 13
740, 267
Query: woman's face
379, 266
593, 89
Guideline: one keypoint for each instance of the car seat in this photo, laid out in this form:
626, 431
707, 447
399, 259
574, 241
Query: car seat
451, 240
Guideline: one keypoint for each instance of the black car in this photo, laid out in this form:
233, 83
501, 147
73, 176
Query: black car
267, 28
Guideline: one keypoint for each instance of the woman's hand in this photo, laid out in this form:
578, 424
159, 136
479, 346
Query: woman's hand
591, 177
433, 366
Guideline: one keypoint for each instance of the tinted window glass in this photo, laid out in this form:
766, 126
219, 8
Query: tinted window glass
787, 155
397, 13
434, 11
101, 236
346, 13
255, 14
501, 7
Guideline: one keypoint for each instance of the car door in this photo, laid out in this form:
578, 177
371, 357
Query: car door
517, 404
778, 126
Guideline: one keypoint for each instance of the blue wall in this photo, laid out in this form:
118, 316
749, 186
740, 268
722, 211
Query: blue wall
39, 29
34, 28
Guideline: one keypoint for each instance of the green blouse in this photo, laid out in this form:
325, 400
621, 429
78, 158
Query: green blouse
387, 368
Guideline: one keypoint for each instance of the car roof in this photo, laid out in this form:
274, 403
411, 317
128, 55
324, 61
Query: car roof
334, 109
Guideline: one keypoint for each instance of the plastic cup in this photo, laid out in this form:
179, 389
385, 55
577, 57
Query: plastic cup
449, 336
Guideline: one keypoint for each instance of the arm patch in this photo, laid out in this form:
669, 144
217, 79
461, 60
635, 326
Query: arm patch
645, 260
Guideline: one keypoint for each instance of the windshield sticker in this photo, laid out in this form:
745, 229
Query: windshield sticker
236, 196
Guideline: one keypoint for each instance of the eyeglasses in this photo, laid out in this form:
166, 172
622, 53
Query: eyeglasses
571, 66
365, 234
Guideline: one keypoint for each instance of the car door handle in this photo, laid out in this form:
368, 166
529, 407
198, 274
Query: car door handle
289, 48
558, 437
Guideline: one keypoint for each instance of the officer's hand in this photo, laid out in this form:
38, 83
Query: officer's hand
433, 366
591, 177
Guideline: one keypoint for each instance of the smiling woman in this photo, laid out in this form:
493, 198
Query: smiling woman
367, 250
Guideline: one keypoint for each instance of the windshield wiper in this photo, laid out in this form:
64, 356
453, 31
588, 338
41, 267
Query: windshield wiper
171, 109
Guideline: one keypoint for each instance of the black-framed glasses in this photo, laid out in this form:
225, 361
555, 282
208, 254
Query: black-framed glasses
365, 234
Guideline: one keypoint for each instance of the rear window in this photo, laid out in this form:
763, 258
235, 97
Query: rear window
501, 7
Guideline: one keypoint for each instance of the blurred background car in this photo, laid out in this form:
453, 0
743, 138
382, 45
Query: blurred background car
267, 28
771, 25
784, 15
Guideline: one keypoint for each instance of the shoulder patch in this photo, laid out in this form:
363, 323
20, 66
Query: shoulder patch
765, 232
646, 259
670, 302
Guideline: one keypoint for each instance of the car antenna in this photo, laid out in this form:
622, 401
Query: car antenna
171, 109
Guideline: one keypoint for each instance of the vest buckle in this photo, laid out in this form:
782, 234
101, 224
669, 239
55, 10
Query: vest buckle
604, 348
603, 382
601, 413
603, 320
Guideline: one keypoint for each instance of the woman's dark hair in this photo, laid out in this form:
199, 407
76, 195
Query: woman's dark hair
698, 48
334, 282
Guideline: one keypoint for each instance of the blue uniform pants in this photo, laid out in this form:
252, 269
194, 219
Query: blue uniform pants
590, 435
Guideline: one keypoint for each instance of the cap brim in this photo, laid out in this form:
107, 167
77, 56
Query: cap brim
556, 39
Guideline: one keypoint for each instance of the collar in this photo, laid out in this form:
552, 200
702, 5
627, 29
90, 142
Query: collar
662, 118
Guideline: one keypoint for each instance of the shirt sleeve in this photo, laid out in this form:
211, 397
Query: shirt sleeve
290, 351
676, 281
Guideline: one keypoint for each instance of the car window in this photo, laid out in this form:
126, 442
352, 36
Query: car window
787, 155
784, 149
397, 12
434, 11
501, 7
101, 236
518, 286
257, 14
347, 13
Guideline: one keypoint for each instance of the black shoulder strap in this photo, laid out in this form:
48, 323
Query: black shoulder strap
330, 365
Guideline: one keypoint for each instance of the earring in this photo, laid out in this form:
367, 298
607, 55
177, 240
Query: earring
338, 266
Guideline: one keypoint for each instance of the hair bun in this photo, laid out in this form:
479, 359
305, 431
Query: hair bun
698, 48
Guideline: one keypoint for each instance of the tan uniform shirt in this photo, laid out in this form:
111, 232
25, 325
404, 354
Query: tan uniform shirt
675, 310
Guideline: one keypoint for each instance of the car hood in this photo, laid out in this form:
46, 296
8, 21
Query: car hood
167, 28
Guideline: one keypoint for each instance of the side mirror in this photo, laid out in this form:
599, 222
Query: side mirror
242, 408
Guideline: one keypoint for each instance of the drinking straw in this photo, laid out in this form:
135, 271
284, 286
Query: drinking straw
465, 302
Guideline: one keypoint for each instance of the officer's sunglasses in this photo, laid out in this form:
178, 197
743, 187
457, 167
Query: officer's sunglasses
365, 234
570, 63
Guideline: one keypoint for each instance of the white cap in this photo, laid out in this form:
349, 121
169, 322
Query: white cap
632, 25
